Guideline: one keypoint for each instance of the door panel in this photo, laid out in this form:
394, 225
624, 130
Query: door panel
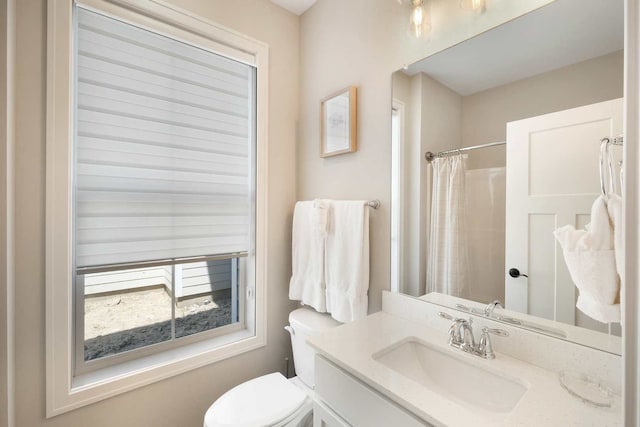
552, 181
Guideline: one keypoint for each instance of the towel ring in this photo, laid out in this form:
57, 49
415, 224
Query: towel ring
606, 160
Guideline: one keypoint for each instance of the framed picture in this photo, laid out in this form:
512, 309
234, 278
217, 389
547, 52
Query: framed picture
338, 123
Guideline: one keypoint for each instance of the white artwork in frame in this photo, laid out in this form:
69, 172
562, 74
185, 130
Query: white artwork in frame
338, 123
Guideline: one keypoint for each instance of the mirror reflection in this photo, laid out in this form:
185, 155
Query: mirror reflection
511, 124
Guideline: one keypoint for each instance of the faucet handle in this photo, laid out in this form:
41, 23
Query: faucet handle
455, 337
495, 331
445, 315
484, 346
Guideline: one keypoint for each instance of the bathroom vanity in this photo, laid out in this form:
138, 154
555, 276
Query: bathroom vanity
396, 368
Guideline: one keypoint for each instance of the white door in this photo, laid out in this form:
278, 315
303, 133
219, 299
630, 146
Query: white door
552, 180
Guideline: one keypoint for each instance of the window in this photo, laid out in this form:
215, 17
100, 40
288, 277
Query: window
162, 152
155, 197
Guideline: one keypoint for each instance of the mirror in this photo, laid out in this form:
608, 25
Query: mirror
513, 119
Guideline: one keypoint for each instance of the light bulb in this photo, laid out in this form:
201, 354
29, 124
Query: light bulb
419, 24
478, 5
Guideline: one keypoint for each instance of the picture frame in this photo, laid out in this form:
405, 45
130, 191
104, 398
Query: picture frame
338, 125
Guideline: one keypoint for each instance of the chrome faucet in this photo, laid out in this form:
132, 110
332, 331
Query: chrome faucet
461, 333
461, 336
488, 310
466, 341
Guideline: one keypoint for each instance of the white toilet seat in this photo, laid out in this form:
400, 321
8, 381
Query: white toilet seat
270, 400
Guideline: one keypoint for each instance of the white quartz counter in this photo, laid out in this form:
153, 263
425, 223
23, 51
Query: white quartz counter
545, 403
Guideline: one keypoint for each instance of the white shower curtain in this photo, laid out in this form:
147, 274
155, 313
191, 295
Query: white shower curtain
447, 264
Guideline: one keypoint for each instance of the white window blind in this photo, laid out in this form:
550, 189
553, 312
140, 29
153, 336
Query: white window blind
163, 149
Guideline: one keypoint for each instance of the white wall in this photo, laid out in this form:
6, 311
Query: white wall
361, 42
181, 400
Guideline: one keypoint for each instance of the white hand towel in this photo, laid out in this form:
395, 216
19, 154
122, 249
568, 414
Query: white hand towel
347, 260
307, 282
590, 258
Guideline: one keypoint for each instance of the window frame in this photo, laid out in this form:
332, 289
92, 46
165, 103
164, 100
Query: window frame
65, 390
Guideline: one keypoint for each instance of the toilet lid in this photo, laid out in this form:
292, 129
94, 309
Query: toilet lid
261, 401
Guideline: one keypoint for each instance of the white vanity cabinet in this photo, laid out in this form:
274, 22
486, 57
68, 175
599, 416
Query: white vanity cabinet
323, 416
346, 401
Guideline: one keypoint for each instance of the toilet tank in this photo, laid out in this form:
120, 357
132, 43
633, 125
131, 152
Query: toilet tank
305, 322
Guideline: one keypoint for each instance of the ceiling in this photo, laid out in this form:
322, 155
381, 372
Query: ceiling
295, 6
562, 33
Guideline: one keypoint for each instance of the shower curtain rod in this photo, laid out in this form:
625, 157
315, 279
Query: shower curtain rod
430, 156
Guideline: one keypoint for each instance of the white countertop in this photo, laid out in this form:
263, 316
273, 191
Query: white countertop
545, 403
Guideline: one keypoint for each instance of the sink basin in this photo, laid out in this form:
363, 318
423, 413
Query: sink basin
451, 376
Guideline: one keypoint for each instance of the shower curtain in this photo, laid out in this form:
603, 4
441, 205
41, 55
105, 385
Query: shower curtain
447, 264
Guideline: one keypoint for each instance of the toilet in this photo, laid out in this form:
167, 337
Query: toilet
272, 400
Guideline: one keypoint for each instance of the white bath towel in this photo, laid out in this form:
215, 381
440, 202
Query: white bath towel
347, 260
590, 258
320, 217
614, 207
307, 282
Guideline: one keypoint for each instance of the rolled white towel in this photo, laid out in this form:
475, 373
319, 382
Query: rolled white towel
614, 207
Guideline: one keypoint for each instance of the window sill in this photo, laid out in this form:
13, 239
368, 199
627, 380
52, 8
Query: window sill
107, 382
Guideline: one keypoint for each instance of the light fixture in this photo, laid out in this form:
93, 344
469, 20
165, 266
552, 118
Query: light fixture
477, 5
419, 21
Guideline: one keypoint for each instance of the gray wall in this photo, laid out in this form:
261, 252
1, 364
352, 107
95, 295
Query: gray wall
191, 279
486, 113
7, 354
